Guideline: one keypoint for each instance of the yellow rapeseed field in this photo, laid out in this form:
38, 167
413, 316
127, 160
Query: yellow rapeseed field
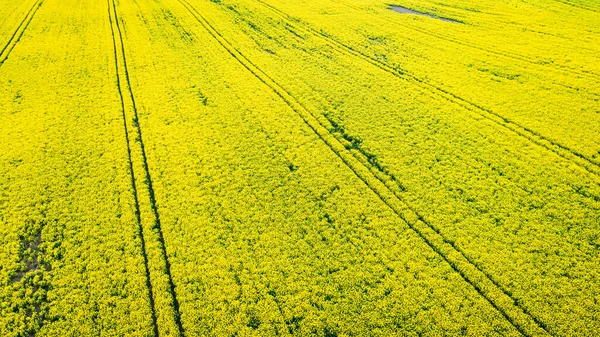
299, 168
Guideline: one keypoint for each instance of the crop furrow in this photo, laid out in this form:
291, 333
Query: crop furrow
156, 226
498, 297
18, 33
567, 153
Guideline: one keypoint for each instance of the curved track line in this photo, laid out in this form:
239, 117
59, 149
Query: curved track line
156, 228
18, 33
499, 298
567, 153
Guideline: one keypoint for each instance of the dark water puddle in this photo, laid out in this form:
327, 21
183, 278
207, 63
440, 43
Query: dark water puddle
404, 10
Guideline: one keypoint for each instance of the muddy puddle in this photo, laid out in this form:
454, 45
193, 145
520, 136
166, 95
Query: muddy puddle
404, 10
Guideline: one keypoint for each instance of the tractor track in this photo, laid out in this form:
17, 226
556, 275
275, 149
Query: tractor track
140, 231
499, 298
515, 56
565, 152
119, 48
18, 33
577, 5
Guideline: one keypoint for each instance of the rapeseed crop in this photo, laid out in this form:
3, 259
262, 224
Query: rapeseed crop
71, 262
321, 168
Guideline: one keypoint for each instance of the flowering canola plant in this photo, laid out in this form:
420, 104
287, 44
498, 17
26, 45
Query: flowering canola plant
306, 168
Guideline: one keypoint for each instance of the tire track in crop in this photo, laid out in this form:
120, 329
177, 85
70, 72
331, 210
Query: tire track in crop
557, 67
567, 153
578, 5
515, 56
118, 40
140, 232
499, 298
18, 33
270, 293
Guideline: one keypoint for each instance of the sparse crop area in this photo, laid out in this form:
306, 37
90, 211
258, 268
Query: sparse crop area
299, 168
